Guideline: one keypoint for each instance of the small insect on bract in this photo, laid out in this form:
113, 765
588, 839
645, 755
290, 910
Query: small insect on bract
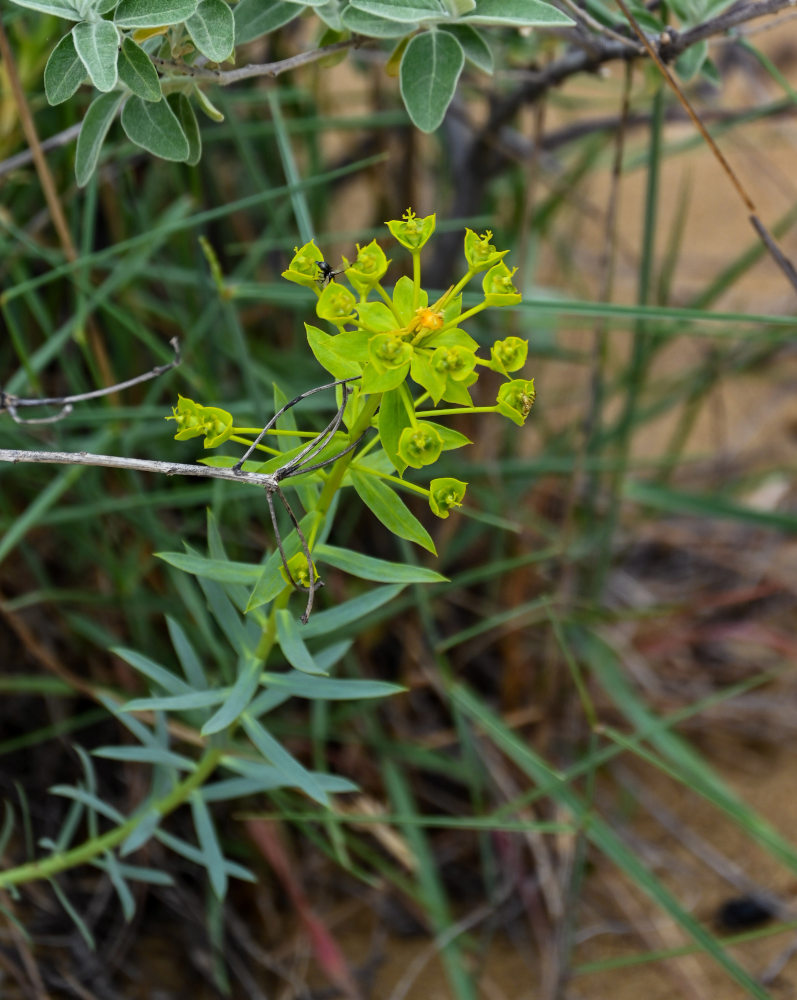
327, 273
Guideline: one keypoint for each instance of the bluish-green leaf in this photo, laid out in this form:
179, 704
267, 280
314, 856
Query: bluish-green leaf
177, 702
368, 568
60, 8
391, 510
212, 855
137, 72
405, 11
187, 655
96, 123
430, 68
375, 27
154, 671
474, 45
186, 850
64, 71
254, 18
147, 755
181, 106
521, 13
156, 128
153, 13
292, 644
97, 44
239, 697
147, 826
329, 688
212, 29
275, 753
349, 612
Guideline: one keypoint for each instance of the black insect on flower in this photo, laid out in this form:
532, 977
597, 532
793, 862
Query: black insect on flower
327, 273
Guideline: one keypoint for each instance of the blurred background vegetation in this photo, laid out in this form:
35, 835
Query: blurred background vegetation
587, 788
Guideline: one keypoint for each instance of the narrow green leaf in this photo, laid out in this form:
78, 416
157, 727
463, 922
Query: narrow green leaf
137, 72
349, 612
254, 18
177, 702
97, 44
370, 568
64, 71
239, 697
329, 688
155, 127
153, 13
96, 123
391, 510
212, 29
186, 850
521, 13
212, 855
60, 8
181, 106
212, 569
147, 755
154, 671
292, 644
405, 11
430, 68
273, 751
186, 654
147, 826
474, 45
110, 865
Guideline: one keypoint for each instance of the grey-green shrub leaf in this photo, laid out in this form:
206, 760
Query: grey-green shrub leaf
96, 123
153, 13
64, 71
137, 72
61, 8
181, 106
521, 13
97, 44
429, 72
103, 6
364, 23
207, 106
212, 29
474, 45
254, 18
155, 127
405, 11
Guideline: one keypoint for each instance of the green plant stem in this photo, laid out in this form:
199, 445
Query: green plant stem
456, 411
416, 278
463, 316
361, 425
93, 848
403, 483
461, 284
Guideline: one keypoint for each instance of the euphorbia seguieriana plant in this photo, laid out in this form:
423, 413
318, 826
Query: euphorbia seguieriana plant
400, 364
401, 358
